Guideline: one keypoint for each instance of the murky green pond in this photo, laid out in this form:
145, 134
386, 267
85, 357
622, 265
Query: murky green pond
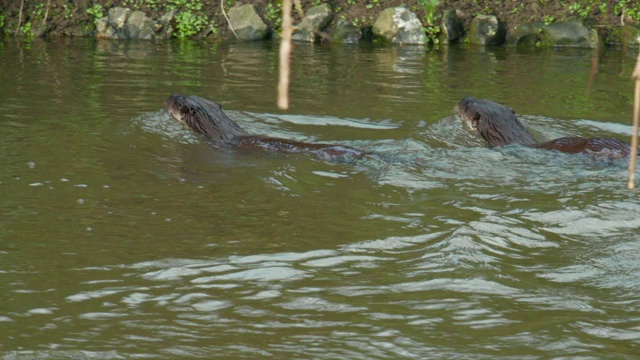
124, 235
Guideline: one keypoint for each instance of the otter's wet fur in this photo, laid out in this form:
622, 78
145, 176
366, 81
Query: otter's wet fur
499, 126
204, 116
496, 123
207, 118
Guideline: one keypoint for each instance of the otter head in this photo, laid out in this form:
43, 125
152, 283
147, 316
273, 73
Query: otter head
203, 116
496, 123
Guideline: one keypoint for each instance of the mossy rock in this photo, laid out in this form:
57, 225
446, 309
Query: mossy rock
569, 33
626, 36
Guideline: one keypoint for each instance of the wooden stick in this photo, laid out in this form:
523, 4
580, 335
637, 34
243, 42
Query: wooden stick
44, 22
228, 22
631, 184
20, 17
285, 51
299, 8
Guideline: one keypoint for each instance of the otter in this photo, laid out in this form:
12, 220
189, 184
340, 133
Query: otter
206, 117
499, 126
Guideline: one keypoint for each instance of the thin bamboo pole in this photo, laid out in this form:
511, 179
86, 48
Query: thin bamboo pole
631, 184
227, 18
285, 51
44, 22
19, 18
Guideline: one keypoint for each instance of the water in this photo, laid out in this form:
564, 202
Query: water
124, 235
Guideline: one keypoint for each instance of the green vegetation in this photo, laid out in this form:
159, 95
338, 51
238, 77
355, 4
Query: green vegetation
582, 10
630, 8
195, 16
27, 30
152, 4
432, 33
431, 30
130, 3
585, 7
274, 15
67, 11
374, 3
38, 12
95, 12
517, 9
189, 20
189, 24
429, 7
603, 7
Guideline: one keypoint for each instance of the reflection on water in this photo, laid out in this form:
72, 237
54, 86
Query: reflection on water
125, 235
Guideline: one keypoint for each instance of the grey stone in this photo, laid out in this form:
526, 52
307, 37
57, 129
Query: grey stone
163, 26
399, 25
487, 30
118, 18
123, 23
247, 23
104, 30
570, 33
526, 34
139, 26
346, 33
452, 28
316, 19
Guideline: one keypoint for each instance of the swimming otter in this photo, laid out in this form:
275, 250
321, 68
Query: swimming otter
499, 126
206, 117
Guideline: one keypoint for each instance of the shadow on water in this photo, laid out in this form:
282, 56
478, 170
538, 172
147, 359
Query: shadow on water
123, 234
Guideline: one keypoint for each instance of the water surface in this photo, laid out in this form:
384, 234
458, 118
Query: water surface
124, 235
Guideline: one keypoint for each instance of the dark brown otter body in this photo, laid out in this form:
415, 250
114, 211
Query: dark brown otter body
206, 117
499, 126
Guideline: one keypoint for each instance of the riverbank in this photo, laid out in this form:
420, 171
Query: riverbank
206, 20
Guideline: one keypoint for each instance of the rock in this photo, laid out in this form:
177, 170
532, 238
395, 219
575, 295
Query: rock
163, 26
526, 34
346, 33
123, 23
626, 36
139, 26
570, 32
451, 28
399, 25
487, 30
316, 19
118, 18
104, 30
247, 23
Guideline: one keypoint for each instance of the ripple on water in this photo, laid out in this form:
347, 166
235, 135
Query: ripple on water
437, 248
606, 219
161, 123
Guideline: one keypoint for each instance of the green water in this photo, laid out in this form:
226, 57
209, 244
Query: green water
124, 235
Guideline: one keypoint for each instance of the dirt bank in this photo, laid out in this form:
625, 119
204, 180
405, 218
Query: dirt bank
30, 18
